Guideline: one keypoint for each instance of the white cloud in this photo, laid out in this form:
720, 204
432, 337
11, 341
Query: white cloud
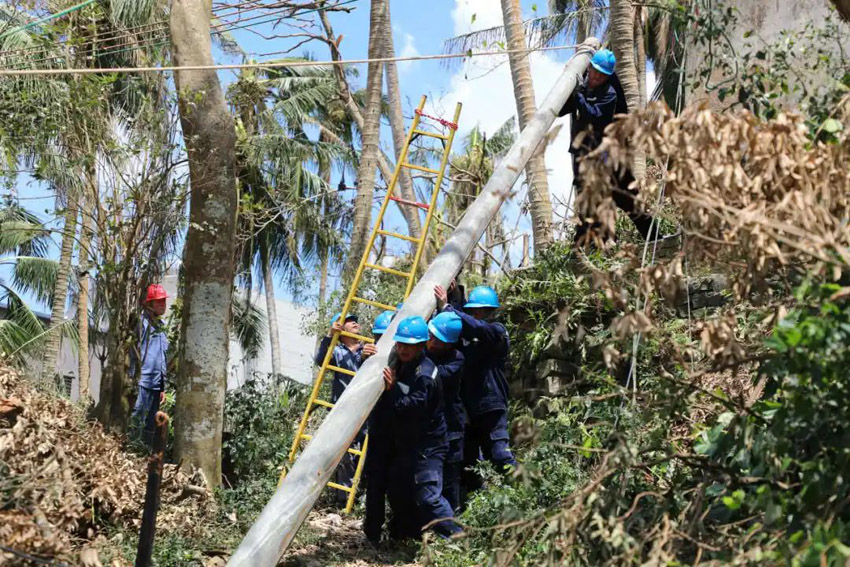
474, 15
484, 87
409, 50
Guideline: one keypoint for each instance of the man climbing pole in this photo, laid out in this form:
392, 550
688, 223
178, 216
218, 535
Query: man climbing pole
150, 360
418, 426
349, 353
445, 329
484, 388
593, 107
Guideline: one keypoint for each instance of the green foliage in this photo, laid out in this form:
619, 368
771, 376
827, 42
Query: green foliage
603, 481
259, 426
788, 456
804, 66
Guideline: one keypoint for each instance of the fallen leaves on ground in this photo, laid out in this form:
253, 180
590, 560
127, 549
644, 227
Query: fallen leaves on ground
62, 479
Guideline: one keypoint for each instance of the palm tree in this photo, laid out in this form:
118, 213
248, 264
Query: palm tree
405, 181
470, 171
24, 244
538, 185
277, 160
79, 120
370, 138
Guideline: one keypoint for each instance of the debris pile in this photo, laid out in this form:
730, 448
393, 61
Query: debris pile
62, 479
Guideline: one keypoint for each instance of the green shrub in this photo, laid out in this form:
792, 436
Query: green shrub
260, 423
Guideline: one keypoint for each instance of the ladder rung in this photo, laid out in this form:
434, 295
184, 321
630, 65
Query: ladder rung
424, 206
306, 436
358, 337
323, 403
397, 235
383, 306
389, 270
339, 487
342, 370
356, 452
421, 168
431, 134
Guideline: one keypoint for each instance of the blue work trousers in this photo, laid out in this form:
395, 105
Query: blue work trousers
143, 419
428, 494
451, 470
487, 437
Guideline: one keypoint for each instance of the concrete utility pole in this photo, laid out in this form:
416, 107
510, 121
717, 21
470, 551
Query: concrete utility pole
269, 537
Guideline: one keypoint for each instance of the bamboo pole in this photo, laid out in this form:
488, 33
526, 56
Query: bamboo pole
273, 531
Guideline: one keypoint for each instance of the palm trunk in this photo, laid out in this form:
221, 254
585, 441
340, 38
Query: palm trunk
640, 56
370, 139
208, 254
60, 291
84, 368
271, 315
538, 184
584, 20
622, 30
411, 214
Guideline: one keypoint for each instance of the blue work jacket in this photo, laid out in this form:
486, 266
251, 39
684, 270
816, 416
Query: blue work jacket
342, 357
418, 422
450, 373
593, 110
153, 348
485, 346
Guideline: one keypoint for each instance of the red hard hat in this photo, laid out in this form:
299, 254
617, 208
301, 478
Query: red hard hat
155, 291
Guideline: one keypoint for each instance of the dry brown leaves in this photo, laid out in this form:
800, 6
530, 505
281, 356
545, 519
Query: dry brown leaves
63, 478
754, 198
758, 192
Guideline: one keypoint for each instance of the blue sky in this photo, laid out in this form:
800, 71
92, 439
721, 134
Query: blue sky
482, 84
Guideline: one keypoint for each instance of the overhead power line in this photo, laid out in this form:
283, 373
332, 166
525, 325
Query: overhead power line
272, 64
161, 27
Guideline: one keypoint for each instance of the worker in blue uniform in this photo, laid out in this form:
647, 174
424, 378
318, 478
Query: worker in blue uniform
419, 432
484, 388
152, 351
349, 353
593, 106
445, 329
379, 451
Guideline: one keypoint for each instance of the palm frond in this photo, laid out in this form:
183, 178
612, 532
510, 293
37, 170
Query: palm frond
134, 13
22, 233
249, 326
21, 330
36, 276
539, 32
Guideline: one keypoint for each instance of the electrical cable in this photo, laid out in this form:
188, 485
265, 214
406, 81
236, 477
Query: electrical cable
272, 64
162, 26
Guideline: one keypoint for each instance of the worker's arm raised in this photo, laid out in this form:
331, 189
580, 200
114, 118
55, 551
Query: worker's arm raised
323, 350
604, 107
473, 328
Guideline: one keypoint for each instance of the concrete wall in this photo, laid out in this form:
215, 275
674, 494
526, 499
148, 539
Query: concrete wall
767, 19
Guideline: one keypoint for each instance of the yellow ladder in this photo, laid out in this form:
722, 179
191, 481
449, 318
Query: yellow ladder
352, 297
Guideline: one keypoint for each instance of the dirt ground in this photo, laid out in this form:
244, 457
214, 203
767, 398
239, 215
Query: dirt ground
328, 539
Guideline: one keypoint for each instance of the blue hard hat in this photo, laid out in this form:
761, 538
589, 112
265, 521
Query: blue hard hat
483, 296
399, 306
348, 317
412, 330
604, 61
382, 322
446, 326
